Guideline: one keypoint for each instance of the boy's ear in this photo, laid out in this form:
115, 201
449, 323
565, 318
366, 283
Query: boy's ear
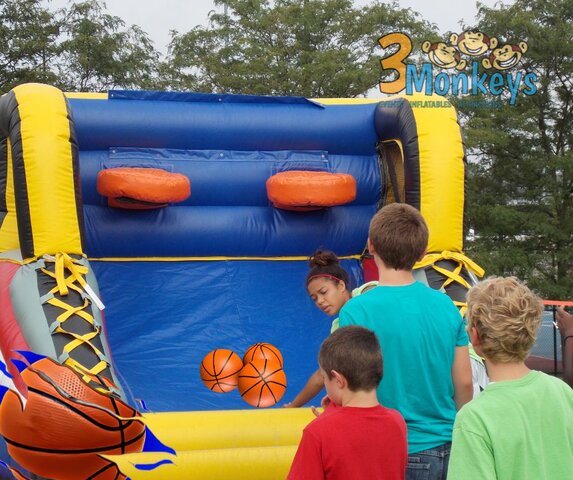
340, 379
370, 247
475, 339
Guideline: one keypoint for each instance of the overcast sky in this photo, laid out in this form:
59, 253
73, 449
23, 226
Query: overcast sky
158, 17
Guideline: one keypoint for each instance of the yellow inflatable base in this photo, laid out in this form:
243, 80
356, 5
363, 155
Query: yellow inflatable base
253, 463
219, 445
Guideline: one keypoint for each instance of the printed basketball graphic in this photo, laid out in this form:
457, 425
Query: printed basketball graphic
220, 369
262, 351
66, 424
262, 382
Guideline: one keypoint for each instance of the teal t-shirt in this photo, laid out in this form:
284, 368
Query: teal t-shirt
515, 430
418, 329
357, 291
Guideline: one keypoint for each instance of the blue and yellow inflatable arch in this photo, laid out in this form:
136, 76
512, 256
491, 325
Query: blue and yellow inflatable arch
222, 269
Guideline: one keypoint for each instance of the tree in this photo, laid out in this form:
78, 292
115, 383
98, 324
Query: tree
100, 53
314, 48
520, 201
28, 35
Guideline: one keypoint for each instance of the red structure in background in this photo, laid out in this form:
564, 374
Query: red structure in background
370, 269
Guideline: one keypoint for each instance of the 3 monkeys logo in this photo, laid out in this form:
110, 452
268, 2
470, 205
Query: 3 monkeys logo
459, 59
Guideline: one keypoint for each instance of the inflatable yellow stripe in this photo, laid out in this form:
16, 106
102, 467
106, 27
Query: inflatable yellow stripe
9, 227
8, 258
207, 259
258, 463
205, 430
87, 95
238, 444
48, 163
441, 174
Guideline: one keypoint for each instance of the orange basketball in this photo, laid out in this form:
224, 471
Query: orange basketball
262, 350
66, 425
220, 370
262, 382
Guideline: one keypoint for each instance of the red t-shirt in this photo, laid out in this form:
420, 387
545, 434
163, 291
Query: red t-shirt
347, 443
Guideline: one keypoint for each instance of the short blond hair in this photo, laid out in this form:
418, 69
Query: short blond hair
507, 315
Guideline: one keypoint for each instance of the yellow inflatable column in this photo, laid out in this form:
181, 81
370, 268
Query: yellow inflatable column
8, 225
423, 153
55, 313
45, 169
442, 173
426, 130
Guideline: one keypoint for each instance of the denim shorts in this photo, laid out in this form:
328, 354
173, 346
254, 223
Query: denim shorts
431, 464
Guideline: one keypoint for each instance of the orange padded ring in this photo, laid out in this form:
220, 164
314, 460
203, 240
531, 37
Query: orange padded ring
142, 188
305, 190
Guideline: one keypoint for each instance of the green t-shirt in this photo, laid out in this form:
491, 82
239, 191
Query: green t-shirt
515, 430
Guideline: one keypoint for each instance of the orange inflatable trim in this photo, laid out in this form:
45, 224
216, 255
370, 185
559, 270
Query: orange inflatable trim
142, 188
305, 190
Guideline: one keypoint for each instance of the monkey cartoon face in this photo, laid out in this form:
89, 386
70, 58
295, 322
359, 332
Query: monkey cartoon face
505, 57
443, 55
473, 42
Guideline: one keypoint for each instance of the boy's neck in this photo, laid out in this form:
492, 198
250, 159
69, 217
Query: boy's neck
359, 399
390, 277
499, 372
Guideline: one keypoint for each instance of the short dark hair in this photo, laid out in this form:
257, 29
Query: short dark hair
399, 235
354, 352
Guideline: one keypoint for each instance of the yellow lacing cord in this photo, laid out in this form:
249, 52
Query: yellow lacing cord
63, 262
89, 378
452, 275
462, 307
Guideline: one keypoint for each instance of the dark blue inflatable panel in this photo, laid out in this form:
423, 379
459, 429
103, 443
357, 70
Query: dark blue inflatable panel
208, 97
228, 146
229, 177
162, 318
224, 231
338, 129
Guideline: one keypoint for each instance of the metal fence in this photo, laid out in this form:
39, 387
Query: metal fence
546, 354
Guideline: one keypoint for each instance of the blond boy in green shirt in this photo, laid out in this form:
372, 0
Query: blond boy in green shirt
521, 426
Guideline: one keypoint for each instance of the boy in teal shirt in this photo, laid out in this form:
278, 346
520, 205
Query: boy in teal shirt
521, 425
427, 373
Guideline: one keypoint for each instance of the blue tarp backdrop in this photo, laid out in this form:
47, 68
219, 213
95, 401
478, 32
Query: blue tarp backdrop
163, 317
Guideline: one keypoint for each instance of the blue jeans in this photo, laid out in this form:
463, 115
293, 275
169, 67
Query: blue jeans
431, 464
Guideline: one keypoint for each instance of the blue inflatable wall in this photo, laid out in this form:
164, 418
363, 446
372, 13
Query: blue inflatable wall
169, 301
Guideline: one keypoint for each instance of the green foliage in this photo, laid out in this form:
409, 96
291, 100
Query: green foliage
101, 53
27, 38
81, 48
288, 47
284, 47
520, 198
520, 186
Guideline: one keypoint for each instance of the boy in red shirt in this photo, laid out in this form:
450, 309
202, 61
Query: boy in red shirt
355, 437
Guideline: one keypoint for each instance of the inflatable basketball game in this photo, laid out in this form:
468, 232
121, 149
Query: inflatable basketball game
140, 231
